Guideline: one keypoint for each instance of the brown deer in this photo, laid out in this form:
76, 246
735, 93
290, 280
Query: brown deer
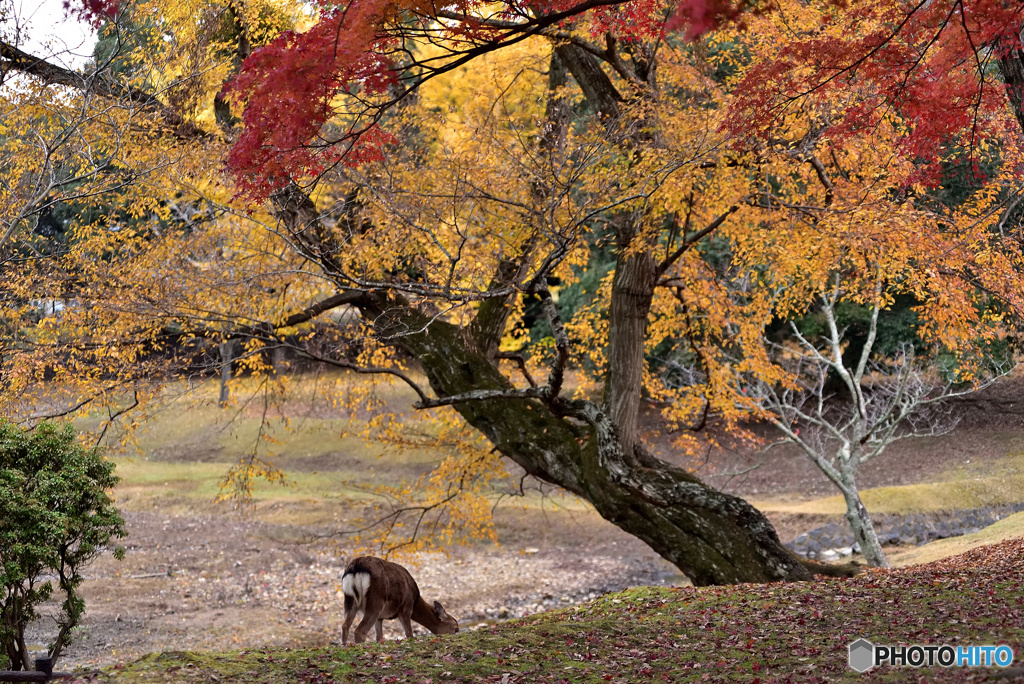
385, 591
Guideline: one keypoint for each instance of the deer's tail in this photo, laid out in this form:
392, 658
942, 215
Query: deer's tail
354, 583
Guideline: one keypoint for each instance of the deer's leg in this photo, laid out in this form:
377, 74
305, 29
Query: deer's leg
350, 615
371, 614
380, 631
406, 625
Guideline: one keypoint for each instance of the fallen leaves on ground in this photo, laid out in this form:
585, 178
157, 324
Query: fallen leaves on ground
745, 633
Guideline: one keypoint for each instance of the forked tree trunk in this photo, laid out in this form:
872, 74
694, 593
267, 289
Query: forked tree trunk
712, 537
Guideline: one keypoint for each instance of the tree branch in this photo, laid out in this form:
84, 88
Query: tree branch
482, 395
18, 60
520, 361
557, 375
693, 238
99, 83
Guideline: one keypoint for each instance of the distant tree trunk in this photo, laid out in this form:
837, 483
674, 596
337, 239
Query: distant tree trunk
26, 662
277, 361
1011, 66
227, 354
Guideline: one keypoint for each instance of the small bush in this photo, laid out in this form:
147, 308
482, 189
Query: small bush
55, 517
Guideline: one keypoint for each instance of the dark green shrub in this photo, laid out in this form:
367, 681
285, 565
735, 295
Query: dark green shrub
55, 517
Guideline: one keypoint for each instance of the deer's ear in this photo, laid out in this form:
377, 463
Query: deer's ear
439, 611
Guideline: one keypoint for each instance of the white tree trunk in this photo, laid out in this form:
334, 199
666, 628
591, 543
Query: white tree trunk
863, 529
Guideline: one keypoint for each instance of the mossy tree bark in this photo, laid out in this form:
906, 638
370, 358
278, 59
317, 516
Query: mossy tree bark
714, 538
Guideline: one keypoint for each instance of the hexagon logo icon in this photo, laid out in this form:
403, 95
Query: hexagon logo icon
862, 655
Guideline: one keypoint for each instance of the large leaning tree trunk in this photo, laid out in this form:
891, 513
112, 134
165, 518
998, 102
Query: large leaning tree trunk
592, 449
714, 538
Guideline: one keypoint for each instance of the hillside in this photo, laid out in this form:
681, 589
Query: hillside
749, 633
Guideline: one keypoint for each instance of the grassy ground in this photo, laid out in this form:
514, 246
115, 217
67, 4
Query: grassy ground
175, 460
748, 633
1008, 528
949, 491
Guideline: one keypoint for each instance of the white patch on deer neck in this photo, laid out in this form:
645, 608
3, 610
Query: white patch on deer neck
355, 584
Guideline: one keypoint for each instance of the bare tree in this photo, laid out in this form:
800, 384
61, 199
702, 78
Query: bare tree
880, 401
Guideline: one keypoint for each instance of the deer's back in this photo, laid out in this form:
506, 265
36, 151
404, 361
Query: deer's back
389, 583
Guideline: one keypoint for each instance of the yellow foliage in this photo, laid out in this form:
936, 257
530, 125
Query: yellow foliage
161, 255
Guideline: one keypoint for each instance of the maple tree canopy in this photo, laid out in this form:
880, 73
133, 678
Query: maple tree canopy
548, 220
925, 60
930, 64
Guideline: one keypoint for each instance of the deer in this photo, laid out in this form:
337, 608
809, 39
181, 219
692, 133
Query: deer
384, 591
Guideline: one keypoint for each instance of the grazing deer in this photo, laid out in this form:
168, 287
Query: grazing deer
385, 591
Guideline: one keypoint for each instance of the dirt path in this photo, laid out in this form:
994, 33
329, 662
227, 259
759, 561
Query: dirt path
242, 584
